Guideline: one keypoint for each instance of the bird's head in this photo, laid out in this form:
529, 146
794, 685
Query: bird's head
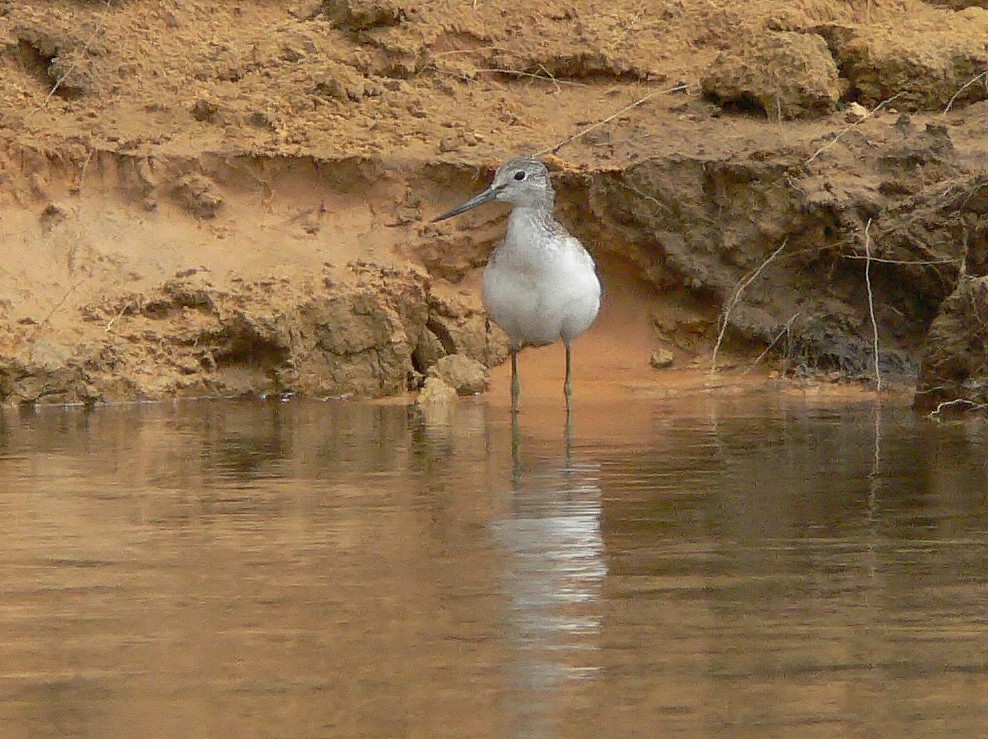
522, 181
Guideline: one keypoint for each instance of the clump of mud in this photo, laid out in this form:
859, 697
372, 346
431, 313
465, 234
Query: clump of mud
955, 354
362, 331
783, 238
781, 75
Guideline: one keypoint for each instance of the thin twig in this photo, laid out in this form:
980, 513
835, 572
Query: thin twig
956, 401
646, 196
844, 130
964, 87
117, 317
75, 62
909, 262
57, 305
785, 330
598, 124
733, 302
871, 305
467, 51
44, 321
518, 73
551, 76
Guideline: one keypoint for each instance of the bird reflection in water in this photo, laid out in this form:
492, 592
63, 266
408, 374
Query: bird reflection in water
551, 531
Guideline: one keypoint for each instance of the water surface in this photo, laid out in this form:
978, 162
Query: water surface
748, 566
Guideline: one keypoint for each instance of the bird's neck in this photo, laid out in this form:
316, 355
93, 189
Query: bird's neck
528, 222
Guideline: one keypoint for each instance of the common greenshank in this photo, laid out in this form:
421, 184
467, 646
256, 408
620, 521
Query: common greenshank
540, 284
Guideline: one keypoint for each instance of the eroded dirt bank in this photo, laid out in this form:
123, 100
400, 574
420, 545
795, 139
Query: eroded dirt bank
221, 200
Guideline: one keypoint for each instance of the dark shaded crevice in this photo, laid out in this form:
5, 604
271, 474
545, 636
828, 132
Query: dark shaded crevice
35, 60
743, 104
40, 60
443, 334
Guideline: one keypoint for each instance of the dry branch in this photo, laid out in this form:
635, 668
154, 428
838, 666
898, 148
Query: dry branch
608, 119
784, 332
844, 130
964, 87
956, 401
533, 75
871, 305
745, 281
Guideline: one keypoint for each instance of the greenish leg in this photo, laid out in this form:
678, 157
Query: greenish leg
515, 384
568, 385
515, 450
568, 441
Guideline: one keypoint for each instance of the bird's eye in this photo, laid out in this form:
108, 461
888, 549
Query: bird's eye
520, 175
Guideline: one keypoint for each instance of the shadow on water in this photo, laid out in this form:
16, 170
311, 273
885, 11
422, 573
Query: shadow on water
714, 566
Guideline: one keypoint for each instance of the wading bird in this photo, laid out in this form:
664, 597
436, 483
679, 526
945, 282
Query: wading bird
540, 284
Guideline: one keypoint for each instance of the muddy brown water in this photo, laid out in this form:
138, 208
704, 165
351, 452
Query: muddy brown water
738, 566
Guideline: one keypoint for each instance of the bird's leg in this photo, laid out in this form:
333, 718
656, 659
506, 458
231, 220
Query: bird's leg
515, 451
515, 384
568, 385
568, 441
487, 341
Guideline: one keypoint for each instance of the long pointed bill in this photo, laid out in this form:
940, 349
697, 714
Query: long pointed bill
485, 197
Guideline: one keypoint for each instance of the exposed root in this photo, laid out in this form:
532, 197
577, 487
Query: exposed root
847, 128
955, 402
871, 306
747, 280
608, 119
784, 332
533, 75
126, 306
906, 262
964, 87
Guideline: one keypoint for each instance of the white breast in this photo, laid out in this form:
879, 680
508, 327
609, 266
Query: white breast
540, 290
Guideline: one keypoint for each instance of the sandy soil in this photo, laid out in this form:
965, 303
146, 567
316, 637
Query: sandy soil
205, 198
